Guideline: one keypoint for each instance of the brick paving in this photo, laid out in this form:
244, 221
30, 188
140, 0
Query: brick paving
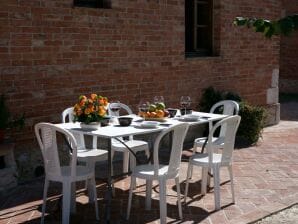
266, 181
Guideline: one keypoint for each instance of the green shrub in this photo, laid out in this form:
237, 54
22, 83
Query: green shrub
211, 96
252, 122
252, 117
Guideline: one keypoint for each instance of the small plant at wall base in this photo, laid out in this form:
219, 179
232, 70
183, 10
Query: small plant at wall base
252, 117
6, 121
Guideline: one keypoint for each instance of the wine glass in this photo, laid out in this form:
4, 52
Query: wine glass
185, 102
143, 107
158, 99
115, 107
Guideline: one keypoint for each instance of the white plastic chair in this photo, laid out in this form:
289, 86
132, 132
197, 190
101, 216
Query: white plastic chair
160, 172
85, 155
135, 145
89, 156
229, 107
213, 161
67, 175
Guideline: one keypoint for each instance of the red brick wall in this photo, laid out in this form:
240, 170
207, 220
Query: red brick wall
289, 54
50, 53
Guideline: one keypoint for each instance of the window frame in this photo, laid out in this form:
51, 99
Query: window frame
192, 26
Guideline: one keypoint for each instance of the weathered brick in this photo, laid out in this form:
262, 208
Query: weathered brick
289, 54
134, 50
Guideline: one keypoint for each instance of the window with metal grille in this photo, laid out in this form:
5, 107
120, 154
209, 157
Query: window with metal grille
198, 28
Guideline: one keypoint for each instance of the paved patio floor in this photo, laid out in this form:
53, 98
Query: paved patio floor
266, 181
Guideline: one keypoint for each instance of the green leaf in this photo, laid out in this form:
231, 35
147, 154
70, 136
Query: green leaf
269, 28
295, 21
286, 25
276, 27
240, 21
259, 25
269, 31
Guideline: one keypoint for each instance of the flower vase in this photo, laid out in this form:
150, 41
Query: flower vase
91, 125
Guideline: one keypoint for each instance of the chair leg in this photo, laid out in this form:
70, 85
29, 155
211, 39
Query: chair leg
232, 183
209, 177
178, 197
45, 192
113, 188
148, 194
112, 156
93, 183
66, 202
132, 161
91, 166
204, 180
125, 161
129, 199
147, 152
194, 151
112, 172
73, 198
162, 201
189, 172
216, 187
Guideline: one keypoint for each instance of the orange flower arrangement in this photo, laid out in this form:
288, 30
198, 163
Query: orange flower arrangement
91, 109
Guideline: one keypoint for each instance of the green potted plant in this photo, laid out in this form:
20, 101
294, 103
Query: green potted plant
6, 121
252, 117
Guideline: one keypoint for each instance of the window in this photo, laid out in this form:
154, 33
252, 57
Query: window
198, 28
93, 3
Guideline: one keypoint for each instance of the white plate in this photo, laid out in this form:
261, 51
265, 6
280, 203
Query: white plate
160, 119
149, 124
189, 117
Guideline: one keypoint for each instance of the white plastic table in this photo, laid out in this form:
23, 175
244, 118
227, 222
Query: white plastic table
114, 131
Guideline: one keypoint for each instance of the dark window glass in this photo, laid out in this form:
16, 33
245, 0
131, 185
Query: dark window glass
202, 13
93, 3
198, 27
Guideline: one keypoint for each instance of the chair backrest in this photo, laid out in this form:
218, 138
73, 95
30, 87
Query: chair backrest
232, 124
68, 116
46, 135
229, 107
122, 106
178, 134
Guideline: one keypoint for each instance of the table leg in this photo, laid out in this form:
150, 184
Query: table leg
109, 191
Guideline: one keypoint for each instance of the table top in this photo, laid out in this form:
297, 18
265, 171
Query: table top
113, 131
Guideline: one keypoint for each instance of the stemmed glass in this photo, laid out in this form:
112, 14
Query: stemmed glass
185, 102
158, 99
115, 107
143, 107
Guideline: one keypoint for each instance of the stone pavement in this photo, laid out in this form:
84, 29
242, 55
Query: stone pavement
266, 181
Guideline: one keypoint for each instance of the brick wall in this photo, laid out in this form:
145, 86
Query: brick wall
289, 54
50, 53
